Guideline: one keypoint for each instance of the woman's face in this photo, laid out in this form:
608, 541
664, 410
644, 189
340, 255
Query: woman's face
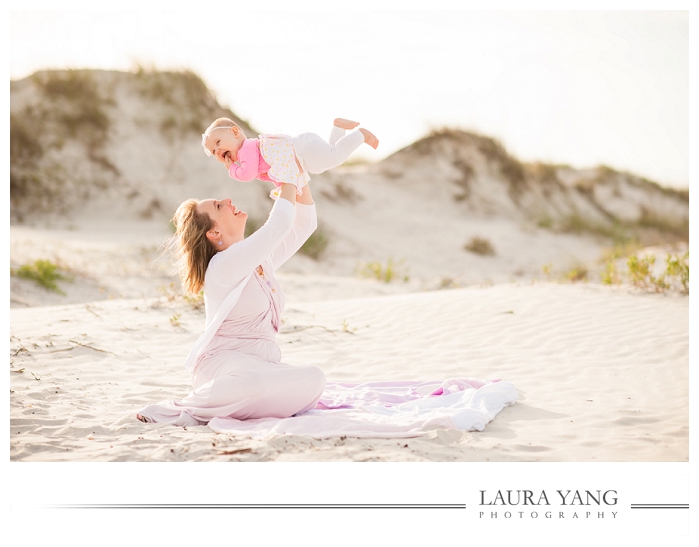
226, 217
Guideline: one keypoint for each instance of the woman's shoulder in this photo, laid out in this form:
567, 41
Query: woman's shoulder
220, 277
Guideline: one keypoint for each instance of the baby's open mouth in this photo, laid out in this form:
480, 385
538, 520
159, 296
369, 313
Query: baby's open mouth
227, 154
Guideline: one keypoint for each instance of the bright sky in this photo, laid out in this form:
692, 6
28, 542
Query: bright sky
575, 87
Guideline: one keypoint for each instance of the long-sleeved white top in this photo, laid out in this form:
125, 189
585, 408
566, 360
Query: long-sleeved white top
229, 271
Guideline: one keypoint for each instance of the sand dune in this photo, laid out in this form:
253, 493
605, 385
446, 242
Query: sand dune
601, 371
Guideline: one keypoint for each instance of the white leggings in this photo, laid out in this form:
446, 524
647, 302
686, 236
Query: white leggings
316, 155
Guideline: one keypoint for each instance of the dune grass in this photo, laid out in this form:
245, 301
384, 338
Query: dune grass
480, 246
388, 272
316, 245
43, 272
640, 273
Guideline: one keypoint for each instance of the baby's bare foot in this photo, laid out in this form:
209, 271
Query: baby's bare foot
342, 123
370, 138
143, 419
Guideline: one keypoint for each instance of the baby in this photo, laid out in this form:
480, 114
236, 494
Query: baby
282, 158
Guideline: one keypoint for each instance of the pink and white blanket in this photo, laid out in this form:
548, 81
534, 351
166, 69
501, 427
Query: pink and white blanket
386, 410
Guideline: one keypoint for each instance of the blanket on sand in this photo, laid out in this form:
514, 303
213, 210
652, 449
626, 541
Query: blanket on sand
386, 410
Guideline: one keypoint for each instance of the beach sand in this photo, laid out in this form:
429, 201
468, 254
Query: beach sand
602, 372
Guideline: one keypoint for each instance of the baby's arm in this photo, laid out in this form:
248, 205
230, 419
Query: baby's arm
245, 167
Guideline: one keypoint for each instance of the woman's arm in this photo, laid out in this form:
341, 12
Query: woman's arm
227, 268
306, 198
305, 223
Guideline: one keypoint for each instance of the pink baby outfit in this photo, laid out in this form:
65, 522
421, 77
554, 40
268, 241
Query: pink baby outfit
236, 364
273, 157
249, 163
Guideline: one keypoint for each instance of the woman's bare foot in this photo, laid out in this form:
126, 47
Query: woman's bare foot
370, 138
143, 419
342, 123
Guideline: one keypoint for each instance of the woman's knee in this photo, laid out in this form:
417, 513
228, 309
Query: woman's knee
316, 377
238, 387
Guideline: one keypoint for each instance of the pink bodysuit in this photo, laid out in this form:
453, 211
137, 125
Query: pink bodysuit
239, 373
279, 158
249, 163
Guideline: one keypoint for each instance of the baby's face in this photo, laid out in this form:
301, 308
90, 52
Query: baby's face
224, 143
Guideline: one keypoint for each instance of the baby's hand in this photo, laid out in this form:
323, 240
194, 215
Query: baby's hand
228, 161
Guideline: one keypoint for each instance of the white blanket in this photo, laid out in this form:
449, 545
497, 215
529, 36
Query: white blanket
386, 410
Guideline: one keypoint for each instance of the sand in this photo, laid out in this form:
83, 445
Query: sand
602, 372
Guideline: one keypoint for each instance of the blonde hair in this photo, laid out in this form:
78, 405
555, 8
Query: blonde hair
192, 248
221, 122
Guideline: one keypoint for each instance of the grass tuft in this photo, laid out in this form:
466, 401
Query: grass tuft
576, 274
388, 272
480, 246
640, 273
316, 244
44, 272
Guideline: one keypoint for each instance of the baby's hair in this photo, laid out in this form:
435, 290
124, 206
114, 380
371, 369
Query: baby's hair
221, 122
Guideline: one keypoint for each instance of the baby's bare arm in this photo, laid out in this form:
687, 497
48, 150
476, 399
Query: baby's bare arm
306, 198
288, 192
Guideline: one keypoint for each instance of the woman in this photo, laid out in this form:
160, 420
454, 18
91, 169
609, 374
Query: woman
236, 364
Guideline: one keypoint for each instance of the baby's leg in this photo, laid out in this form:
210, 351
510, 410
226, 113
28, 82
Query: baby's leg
319, 156
370, 138
335, 135
338, 130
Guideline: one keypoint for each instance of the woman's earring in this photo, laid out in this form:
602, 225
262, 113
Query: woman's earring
220, 242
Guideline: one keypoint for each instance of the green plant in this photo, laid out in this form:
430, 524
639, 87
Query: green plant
386, 273
547, 268
622, 249
611, 275
578, 273
44, 272
543, 173
188, 104
678, 266
196, 301
346, 328
82, 114
168, 291
67, 105
33, 183
640, 272
545, 222
252, 224
448, 282
492, 150
315, 245
648, 219
480, 245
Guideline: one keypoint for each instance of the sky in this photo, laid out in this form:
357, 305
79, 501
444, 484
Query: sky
581, 88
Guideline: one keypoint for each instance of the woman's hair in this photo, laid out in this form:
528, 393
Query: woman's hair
193, 249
